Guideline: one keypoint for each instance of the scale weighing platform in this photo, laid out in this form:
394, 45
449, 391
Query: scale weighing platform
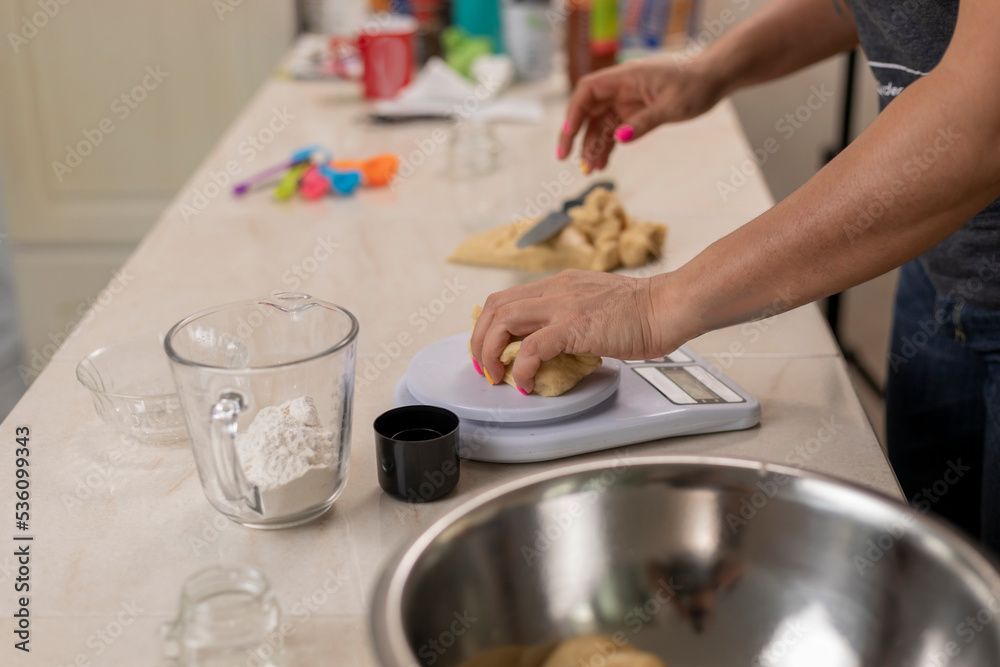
620, 403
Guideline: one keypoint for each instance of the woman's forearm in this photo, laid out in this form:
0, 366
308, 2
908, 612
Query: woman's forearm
928, 163
781, 38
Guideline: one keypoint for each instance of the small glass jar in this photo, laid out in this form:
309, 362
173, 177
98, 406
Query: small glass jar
478, 187
472, 148
228, 616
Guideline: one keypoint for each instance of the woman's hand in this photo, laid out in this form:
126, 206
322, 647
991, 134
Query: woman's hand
579, 312
631, 99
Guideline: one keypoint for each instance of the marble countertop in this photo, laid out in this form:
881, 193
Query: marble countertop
119, 525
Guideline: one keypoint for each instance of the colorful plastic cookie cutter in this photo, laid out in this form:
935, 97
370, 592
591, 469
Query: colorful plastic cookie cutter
341, 182
289, 183
313, 184
300, 156
376, 172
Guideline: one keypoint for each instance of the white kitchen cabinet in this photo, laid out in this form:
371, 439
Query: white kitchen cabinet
107, 107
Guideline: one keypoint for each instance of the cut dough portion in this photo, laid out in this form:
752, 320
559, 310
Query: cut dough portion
601, 237
583, 650
602, 650
555, 376
640, 241
510, 656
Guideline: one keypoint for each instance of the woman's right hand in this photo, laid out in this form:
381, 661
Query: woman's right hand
629, 100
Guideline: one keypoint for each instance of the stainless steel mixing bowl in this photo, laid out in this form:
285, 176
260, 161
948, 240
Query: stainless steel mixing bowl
707, 562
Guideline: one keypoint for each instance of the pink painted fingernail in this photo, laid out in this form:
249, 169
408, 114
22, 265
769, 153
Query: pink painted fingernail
476, 364
565, 127
559, 152
522, 391
624, 133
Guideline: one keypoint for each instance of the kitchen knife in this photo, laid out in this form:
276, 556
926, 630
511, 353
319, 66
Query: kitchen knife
554, 222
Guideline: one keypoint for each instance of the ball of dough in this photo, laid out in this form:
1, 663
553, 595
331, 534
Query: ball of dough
555, 376
600, 650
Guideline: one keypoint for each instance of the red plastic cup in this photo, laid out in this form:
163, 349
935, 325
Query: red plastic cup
386, 44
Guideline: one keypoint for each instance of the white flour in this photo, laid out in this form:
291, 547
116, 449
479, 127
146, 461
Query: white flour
289, 456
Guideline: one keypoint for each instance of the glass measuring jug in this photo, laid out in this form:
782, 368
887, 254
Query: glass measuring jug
266, 387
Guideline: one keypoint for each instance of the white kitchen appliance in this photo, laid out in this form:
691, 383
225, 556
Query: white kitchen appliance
620, 403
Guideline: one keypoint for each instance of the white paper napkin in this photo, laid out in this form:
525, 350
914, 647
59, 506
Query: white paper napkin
438, 90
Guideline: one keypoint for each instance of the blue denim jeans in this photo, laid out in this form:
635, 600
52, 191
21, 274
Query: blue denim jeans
943, 405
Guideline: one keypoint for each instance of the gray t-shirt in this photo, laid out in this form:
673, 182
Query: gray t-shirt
903, 40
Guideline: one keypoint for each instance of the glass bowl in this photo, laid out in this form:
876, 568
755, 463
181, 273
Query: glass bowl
133, 389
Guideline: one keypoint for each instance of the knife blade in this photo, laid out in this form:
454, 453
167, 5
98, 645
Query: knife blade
555, 221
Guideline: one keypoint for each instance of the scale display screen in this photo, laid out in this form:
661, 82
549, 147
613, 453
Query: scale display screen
688, 385
676, 357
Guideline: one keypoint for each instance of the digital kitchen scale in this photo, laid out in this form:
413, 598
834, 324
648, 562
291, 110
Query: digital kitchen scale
618, 404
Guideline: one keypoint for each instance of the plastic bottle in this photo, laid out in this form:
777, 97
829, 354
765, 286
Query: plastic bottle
527, 35
428, 15
479, 17
591, 36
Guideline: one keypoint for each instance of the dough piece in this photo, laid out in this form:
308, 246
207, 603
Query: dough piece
640, 241
509, 656
601, 237
584, 650
636, 659
599, 649
555, 376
